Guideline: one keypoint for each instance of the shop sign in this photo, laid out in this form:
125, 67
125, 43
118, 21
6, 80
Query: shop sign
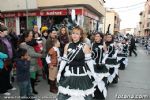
42, 13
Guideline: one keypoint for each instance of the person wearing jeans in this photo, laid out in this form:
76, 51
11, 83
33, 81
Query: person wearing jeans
23, 74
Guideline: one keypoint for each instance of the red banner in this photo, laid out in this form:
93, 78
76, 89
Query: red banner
41, 13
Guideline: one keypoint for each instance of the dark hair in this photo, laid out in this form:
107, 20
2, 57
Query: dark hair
24, 35
21, 52
112, 38
34, 33
100, 34
109, 42
44, 32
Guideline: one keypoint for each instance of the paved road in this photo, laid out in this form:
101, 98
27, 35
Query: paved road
134, 81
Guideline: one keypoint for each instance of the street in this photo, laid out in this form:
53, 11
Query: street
134, 82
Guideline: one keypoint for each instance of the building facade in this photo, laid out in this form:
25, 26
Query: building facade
130, 31
144, 22
112, 19
20, 15
141, 24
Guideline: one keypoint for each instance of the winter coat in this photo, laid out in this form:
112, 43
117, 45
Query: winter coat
2, 56
34, 56
22, 70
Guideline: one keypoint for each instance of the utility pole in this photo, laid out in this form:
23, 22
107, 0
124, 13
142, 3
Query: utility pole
105, 21
27, 13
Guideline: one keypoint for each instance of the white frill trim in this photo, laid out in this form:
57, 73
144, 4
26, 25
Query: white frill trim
102, 75
126, 62
76, 92
76, 98
69, 73
111, 77
112, 66
119, 58
101, 87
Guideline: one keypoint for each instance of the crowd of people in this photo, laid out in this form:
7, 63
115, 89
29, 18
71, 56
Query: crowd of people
75, 67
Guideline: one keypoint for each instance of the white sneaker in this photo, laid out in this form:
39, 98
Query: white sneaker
7, 93
13, 89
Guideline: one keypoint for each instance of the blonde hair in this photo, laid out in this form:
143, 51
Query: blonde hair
81, 32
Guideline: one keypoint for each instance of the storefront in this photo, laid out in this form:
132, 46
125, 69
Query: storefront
18, 20
1, 17
11, 23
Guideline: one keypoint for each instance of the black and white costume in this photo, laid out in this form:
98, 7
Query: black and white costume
101, 71
122, 55
111, 62
75, 81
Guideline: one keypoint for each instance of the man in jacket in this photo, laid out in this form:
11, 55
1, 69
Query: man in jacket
132, 47
5, 47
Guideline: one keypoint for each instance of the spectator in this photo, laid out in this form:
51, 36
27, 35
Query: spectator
5, 47
28, 44
23, 74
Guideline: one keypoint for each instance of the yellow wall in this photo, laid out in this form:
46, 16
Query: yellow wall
110, 19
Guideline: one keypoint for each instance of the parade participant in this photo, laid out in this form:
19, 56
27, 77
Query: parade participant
63, 38
53, 65
122, 54
5, 47
87, 40
132, 46
111, 59
23, 74
73, 76
100, 68
28, 43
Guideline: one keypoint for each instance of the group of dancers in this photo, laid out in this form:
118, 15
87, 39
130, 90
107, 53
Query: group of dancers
86, 72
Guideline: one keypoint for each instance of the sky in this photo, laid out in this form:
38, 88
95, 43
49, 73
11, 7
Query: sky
128, 11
